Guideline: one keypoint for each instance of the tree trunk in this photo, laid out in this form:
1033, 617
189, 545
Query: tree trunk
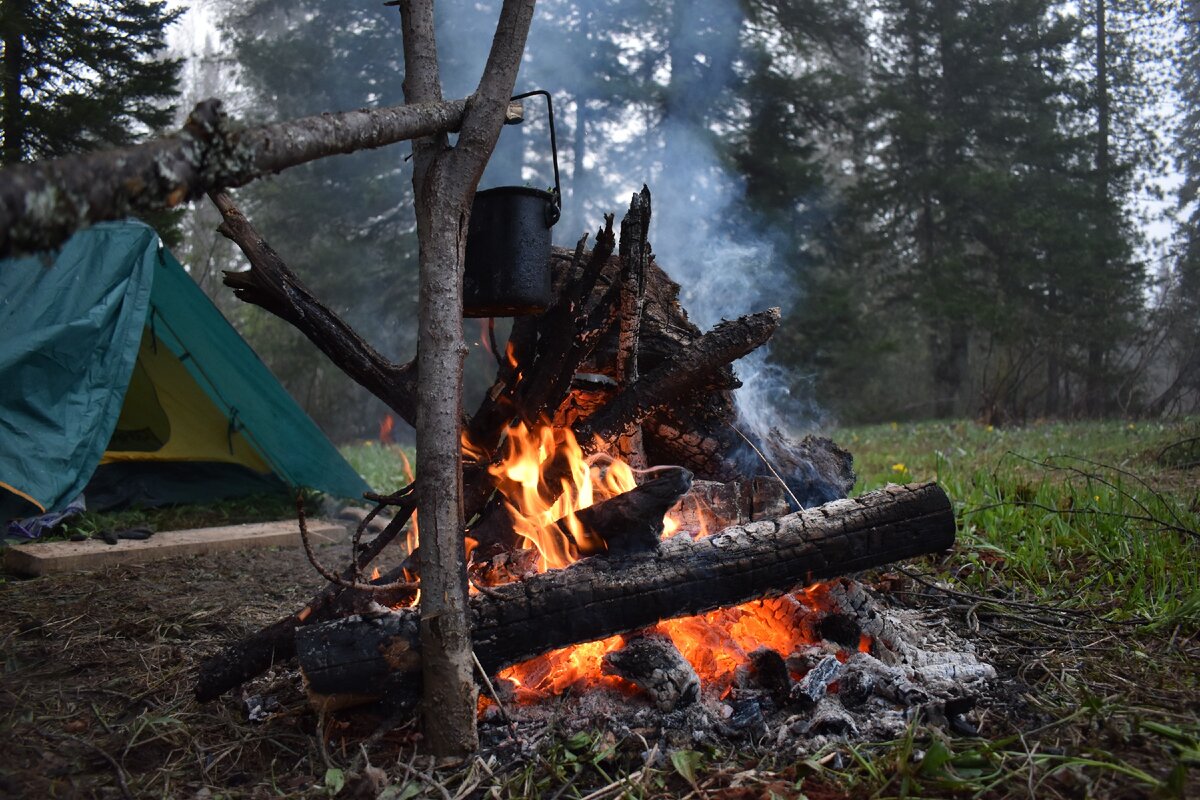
601, 596
444, 181
1094, 379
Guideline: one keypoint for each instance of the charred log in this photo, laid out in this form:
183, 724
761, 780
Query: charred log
687, 370
276, 643
602, 596
631, 522
654, 663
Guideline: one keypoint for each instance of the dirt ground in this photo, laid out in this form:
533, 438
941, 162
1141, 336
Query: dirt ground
99, 669
96, 697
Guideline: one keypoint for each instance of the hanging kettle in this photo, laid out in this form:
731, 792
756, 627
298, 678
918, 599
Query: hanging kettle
507, 267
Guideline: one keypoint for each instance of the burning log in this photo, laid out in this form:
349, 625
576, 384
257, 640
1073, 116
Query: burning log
679, 397
632, 521
602, 596
654, 663
276, 643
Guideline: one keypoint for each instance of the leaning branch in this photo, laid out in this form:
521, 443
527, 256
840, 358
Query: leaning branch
42, 204
689, 369
270, 284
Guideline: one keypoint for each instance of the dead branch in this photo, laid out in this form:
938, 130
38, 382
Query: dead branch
42, 204
271, 284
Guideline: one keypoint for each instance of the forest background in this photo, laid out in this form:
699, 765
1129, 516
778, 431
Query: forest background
964, 207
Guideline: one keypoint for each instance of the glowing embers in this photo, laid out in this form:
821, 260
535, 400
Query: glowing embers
718, 645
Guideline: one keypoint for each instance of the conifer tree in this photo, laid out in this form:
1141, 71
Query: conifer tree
83, 75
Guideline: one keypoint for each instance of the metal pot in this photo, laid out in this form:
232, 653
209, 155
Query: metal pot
507, 269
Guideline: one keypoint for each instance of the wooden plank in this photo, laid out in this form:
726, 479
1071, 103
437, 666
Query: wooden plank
45, 558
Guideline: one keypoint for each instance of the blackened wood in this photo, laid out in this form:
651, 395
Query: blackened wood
255, 654
687, 370
632, 521
654, 663
625, 523
603, 596
271, 284
547, 350
635, 256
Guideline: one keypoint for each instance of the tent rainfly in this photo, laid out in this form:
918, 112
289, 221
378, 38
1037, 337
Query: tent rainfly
120, 379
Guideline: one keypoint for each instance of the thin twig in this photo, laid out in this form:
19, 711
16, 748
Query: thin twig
427, 778
120, 773
1019, 604
754, 447
487, 681
333, 577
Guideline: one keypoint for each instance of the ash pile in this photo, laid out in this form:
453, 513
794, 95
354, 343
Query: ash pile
858, 670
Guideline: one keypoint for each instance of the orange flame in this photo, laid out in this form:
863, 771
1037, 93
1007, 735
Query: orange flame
545, 479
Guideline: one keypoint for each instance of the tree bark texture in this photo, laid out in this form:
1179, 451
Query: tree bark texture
602, 596
42, 204
444, 182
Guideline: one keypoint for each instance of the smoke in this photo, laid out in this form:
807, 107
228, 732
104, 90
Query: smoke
644, 89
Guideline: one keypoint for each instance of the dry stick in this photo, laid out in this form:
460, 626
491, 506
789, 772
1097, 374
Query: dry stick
254, 654
495, 696
333, 577
120, 773
427, 778
766, 461
272, 285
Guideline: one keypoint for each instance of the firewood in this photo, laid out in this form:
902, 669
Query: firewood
632, 521
602, 596
635, 257
255, 654
685, 371
653, 662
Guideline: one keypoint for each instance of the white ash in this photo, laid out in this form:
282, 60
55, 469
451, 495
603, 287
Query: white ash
917, 666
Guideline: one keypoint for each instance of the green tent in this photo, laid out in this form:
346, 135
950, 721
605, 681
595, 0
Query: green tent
119, 378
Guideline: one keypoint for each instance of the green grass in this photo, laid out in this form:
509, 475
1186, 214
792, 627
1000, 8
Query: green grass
236, 511
1077, 564
1077, 570
385, 467
1083, 516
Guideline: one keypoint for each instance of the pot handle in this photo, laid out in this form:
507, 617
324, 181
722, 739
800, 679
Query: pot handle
553, 208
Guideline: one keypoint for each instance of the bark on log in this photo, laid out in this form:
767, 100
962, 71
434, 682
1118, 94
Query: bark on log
255, 654
601, 596
42, 204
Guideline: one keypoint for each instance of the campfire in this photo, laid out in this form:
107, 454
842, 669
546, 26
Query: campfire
628, 540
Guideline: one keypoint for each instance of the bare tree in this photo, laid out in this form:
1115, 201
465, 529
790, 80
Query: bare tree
444, 182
